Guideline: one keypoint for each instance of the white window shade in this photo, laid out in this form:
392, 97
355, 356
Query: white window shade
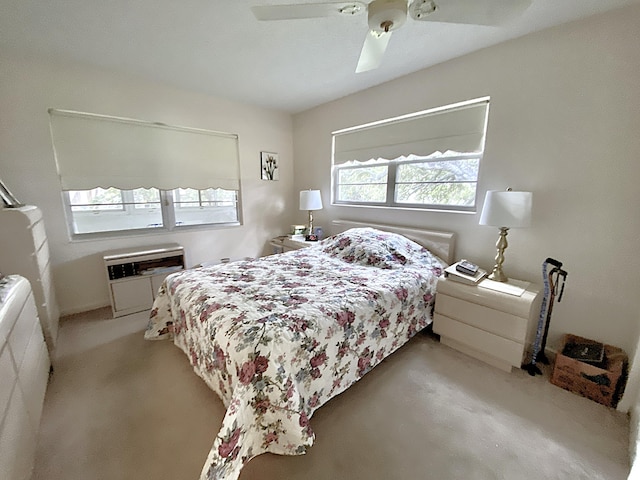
458, 128
101, 151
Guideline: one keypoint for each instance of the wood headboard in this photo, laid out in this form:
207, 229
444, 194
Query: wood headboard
438, 242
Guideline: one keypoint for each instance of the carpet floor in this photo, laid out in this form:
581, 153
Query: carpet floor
119, 407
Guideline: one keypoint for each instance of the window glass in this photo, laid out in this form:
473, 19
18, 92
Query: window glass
187, 197
451, 183
96, 200
109, 210
146, 198
363, 183
101, 210
210, 206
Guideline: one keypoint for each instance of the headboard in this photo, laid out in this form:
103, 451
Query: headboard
440, 243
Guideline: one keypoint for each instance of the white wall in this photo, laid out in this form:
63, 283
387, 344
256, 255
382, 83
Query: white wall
28, 87
563, 123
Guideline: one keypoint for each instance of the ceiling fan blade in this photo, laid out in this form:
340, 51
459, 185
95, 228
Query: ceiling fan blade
373, 50
307, 10
473, 12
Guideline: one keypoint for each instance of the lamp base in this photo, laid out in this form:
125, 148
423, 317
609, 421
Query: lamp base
310, 230
497, 275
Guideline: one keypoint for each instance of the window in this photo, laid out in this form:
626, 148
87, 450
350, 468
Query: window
428, 159
210, 206
162, 177
112, 210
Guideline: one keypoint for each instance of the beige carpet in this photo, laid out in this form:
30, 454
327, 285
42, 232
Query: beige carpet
120, 407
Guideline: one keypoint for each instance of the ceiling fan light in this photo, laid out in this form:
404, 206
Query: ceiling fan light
387, 15
421, 8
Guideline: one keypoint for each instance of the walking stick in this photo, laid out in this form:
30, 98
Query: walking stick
559, 273
550, 288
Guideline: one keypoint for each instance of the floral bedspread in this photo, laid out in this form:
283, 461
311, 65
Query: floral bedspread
278, 337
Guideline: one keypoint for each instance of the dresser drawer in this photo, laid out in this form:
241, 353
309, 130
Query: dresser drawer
9, 377
493, 321
42, 255
494, 345
39, 234
43, 286
519, 305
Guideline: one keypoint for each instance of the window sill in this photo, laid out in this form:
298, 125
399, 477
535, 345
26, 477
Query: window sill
92, 237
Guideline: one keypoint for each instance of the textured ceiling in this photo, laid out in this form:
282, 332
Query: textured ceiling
218, 47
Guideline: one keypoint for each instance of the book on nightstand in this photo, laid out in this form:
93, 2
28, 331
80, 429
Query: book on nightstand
452, 273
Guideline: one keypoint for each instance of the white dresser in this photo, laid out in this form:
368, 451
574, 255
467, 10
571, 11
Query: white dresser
25, 251
24, 371
490, 325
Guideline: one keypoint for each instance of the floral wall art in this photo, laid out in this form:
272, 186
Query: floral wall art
269, 164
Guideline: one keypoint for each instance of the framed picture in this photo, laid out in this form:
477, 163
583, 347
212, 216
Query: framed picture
269, 166
8, 200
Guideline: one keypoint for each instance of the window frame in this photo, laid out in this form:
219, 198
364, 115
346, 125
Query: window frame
336, 184
391, 202
167, 211
93, 149
393, 163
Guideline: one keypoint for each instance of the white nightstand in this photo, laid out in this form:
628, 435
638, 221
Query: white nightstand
285, 244
492, 326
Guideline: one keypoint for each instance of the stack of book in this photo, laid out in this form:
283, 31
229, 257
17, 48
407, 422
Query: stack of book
465, 272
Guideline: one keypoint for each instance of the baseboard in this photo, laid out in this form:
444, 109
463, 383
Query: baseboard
83, 309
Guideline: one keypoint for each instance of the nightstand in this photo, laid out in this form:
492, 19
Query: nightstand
489, 325
285, 244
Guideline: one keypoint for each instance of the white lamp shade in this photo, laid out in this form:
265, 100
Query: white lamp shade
507, 209
310, 200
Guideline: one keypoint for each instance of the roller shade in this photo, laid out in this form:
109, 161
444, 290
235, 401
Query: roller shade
459, 128
101, 151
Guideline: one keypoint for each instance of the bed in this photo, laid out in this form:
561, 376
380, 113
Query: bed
278, 337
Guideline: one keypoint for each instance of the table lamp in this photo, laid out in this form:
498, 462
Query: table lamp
310, 200
505, 210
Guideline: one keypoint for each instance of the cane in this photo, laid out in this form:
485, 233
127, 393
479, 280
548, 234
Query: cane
559, 274
543, 323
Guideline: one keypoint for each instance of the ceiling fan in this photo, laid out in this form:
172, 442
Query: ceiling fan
385, 16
